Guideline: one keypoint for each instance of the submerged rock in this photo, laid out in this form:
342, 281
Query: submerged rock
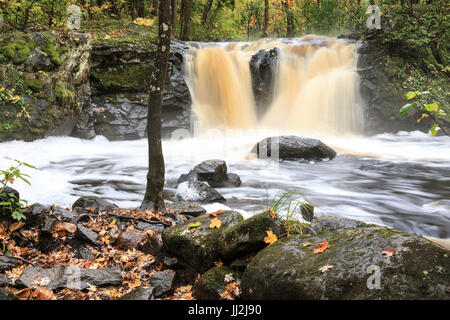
212, 283
360, 262
198, 191
293, 148
214, 172
198, 245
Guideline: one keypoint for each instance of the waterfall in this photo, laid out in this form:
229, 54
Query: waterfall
314, 89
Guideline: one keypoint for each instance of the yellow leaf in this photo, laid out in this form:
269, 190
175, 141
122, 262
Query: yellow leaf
194, 224
215, 223
271, 237
273, 214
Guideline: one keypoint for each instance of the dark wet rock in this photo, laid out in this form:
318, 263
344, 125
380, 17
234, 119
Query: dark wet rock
162, 282
7, 295
248, 236
170, 262
288, 270
199, 247
97, 204
120, 83
212, 283
82, 252
141, 293
4, 281
185, 208
263, 67
329, 224
72, 277
86, 235
37, 61
293, 148
150, 226
198, 191
6, 195
7, 263
38, 214
214, 172
307, 211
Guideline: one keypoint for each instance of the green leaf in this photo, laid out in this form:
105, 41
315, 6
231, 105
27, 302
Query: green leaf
432, 107
194, 225
404, 110
434, 129
412, 94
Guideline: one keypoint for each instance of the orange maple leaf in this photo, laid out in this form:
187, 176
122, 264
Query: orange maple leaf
271, 237
215, 213
273, 214
321, 247
388, 252
306, 244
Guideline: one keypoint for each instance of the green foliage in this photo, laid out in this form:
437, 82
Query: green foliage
8, 200
423, 102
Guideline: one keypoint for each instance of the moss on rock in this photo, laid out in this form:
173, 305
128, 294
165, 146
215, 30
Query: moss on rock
212, 283
18, 49
34, 84
198, 246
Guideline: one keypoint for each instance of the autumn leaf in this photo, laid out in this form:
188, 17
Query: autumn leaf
218, 263
326, 267
42, 294
273, 214
271, 237
306, 244
194, 224
215, 213
16, 226
215, 223
321, 247
66, 226
228, 277
388, 252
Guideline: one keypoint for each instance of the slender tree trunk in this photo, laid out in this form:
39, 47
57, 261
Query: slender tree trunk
266, 18
187, 20
174, 17
154, 198
206, 11
289, 20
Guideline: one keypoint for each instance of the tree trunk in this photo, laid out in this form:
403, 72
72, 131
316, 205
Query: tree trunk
266, 18
174, 17
206, 11
154, 198
187, 20
289, 19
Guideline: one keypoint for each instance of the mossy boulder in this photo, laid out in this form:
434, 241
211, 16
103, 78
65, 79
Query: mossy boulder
18, 48
198, 246
248, 236
286, 269
35, 85
212, 283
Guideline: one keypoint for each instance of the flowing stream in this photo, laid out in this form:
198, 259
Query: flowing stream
399, 180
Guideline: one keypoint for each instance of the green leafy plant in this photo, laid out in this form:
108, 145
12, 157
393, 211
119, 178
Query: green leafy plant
9, 201
430, 109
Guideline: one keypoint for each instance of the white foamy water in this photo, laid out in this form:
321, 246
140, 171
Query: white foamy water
399, 180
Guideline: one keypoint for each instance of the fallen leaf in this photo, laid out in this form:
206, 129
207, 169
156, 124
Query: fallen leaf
271, 237
273, 214
218, 263
326, 267
194, 224
215, 223
306, 244
66, 226
42, 294
388, 252
215, 213
16, 226
321, 247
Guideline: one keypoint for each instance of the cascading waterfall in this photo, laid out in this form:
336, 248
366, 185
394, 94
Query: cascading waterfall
315, 88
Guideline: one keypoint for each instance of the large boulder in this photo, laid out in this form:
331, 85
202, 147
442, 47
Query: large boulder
214, 172
195, 242
293, 148
248, 236
263, 68
360, 262
120, 83
198, 191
